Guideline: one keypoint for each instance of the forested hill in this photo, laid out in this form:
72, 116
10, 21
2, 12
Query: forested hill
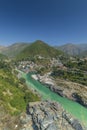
39, 48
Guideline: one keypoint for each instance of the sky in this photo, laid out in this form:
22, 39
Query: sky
54, 21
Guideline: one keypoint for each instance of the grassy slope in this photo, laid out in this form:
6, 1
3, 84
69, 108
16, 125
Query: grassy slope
14, 94
3, 56
38, 48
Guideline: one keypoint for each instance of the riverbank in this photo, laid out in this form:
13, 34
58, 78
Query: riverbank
74, 108
49, 115
64, 88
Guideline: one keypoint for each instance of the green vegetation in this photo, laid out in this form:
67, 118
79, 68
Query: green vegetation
41, 61
76, 72
38, 48
77, 64
43, 70
14, 49
14, 94
72, 107
83, 54
3, 57
43, 65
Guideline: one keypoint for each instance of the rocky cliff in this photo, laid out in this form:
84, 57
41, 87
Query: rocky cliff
44, 115
48, 115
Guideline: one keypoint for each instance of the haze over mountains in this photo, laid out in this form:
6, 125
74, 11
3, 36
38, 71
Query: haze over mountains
13, 49
22, 50
73, 49
39, 47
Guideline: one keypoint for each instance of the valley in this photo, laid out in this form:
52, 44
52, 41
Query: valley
37, 72
43, 65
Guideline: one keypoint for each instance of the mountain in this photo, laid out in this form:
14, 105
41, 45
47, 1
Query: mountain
83, 54
2, 48
38, 48
14, 49
82, 46
73, 49
3, 57
70, 49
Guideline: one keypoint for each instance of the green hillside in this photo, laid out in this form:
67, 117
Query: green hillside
3, 57
14, 49
14, 94
83, 54
38, 48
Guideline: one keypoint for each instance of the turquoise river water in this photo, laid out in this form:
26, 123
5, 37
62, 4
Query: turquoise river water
72, 107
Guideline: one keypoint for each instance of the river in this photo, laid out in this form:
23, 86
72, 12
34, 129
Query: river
72, 107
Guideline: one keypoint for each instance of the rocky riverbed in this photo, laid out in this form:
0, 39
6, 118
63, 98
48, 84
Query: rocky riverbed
48, 115
75, 96
71, 90
44, 115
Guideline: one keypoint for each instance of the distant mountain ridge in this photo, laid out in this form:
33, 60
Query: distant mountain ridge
14, 49
28, 49
84, 54
2, 48
83, 46
73, 49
